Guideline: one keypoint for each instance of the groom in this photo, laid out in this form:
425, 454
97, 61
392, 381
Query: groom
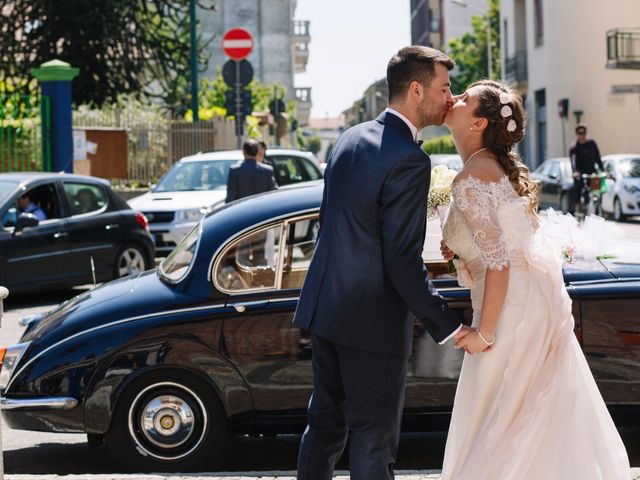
367, 273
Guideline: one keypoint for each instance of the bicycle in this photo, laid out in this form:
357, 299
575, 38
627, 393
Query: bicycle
590, 201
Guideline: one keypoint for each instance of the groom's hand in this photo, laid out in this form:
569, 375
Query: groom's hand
447, 253
463, 332
472, 343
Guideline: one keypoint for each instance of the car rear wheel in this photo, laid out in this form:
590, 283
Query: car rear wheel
167, 422
130, 261
618, 214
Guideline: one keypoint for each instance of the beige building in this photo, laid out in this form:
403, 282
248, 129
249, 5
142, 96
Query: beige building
584, 51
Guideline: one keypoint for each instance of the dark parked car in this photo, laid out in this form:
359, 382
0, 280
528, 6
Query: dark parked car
556, 183
87, 228
164, 367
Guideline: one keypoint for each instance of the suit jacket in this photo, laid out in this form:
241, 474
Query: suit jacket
367, 271
249, 177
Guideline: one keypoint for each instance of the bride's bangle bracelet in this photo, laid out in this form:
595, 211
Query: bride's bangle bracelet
493, 340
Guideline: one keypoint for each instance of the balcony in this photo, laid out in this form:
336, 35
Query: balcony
623, 48
303, 107
516, 68
301, 40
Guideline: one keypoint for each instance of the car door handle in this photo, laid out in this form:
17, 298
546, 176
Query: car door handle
242, 307
59, 235
112, 226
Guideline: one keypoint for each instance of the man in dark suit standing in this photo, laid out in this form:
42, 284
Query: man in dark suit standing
249, 177
367, 274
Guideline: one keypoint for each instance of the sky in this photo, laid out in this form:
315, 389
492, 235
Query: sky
351, 43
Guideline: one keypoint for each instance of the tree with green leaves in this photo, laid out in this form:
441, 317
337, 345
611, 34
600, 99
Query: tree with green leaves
470, 50
138, 47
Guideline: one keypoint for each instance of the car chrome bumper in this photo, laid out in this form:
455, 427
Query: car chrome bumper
38, 403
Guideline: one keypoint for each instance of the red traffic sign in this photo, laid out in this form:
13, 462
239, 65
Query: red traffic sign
237, 43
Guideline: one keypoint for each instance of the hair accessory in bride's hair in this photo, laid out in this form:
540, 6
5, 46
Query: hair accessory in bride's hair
506, 111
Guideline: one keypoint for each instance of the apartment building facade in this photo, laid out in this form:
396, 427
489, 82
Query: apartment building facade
281, 43
583, 52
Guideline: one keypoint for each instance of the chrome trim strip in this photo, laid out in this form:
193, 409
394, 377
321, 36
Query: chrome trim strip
46, 403
107, 325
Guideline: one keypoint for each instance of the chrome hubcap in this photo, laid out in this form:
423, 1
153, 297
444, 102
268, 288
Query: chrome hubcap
131, 262
167, 421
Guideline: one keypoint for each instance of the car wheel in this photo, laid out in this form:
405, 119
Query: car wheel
564, 203
169, 422
618, 214
130, 261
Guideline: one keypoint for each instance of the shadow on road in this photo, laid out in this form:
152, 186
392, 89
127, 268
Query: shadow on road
422, 451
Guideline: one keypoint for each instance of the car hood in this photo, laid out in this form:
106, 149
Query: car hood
164, 201
113, 301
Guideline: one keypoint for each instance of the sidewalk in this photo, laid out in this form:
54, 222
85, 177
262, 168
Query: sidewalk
400, 475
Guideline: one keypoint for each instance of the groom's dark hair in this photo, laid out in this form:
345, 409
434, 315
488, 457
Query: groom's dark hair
413, 63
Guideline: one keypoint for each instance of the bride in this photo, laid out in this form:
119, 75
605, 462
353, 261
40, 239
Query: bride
527, 407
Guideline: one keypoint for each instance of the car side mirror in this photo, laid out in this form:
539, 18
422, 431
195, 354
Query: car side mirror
26, 220
611, 177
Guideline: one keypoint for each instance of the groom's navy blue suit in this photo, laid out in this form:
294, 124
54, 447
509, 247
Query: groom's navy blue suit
366, 275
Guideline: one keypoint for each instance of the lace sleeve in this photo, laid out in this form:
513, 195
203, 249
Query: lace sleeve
478, 201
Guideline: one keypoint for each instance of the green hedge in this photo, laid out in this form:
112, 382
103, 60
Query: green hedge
443, 144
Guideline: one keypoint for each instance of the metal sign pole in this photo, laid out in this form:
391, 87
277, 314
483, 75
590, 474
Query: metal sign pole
238, 107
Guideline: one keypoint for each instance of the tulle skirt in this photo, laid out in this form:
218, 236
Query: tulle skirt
530, 408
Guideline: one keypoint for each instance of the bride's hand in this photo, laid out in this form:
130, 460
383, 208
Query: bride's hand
472, 343
447, 253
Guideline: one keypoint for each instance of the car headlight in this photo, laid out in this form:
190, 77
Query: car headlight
9, 359
190, 214
631, 189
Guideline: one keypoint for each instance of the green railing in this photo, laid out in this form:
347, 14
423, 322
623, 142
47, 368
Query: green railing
25, 128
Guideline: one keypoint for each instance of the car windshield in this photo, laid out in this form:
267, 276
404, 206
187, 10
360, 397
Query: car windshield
6, 188
201, 175
175, 266
630, 167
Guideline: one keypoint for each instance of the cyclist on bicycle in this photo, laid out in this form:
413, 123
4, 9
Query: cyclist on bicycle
584, 156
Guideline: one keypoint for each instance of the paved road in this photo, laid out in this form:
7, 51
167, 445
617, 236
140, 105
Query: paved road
36, 453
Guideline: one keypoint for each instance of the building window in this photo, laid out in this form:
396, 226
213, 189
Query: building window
539, 26
541, 125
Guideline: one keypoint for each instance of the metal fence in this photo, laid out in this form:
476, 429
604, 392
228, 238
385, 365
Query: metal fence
156, 141
22, 147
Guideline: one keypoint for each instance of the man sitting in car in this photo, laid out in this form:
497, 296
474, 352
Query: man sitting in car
26, 205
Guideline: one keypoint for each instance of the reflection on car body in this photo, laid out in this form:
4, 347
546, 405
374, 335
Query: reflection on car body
209, 336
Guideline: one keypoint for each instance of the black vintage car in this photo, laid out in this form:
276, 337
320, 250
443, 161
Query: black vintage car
87, 229
165, 367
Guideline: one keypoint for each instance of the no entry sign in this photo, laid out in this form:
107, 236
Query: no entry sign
237, 43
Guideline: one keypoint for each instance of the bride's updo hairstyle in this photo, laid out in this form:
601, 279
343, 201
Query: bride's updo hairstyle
504, 131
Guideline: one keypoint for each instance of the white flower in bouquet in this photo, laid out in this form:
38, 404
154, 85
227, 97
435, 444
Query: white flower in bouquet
440, 189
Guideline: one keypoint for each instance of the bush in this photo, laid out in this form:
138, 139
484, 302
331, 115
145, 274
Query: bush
314, 144
443, 144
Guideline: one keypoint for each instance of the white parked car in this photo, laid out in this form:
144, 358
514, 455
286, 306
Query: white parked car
452, 161
622, 198
197, 183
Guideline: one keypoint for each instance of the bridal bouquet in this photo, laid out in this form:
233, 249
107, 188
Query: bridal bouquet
440, 191
440, 197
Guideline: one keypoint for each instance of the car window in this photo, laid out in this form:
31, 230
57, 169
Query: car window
630, 167
286, 170
554, 170
84, 197
177, 263
6, 188
300, 242
543, 168
310, 172
201, 175
42, 202
249, 263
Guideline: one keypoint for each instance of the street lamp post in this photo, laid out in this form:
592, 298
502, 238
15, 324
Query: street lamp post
462, 3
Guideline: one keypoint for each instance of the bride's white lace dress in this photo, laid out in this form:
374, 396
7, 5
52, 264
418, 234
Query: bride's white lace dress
530, 408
